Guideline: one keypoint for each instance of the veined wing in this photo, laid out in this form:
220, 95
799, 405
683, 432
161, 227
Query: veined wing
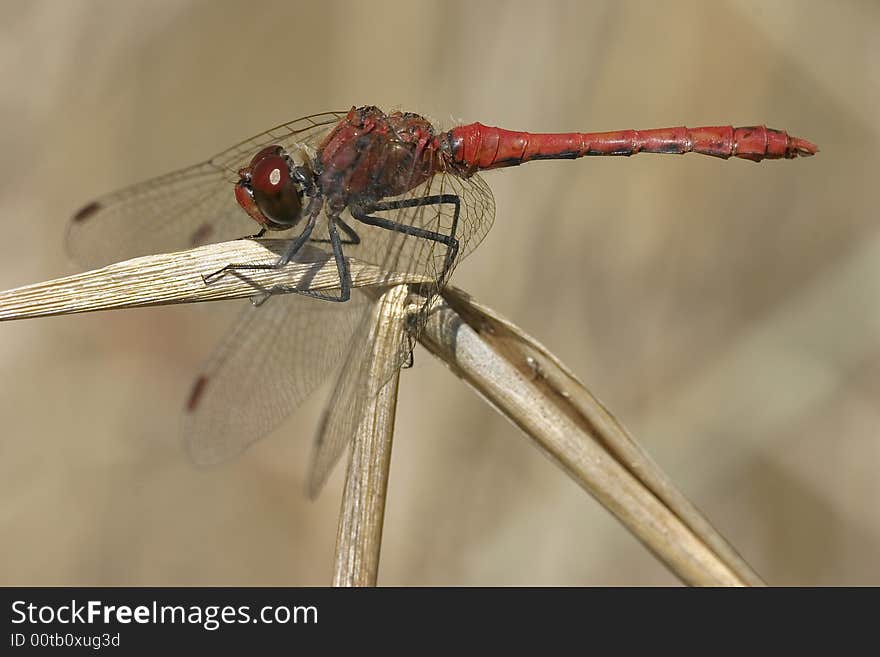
273, 358
397, 252
465, 210
184, 208
361, 378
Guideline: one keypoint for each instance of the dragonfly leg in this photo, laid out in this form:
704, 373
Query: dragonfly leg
437, 199
341, 267
255, 236
411, 348
351, 237
287, 256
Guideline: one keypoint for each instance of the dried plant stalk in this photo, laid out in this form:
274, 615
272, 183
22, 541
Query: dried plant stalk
510, 369
530, 387
177, 278
359, 534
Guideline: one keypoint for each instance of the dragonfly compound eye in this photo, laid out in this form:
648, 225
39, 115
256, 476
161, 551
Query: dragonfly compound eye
269, 192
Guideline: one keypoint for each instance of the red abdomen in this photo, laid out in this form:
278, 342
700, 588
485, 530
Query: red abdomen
476, 147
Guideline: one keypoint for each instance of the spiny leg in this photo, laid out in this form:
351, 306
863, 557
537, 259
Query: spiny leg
255, 236
287, 256
341, 267
351, 237
449, 240
437, 199
283, 259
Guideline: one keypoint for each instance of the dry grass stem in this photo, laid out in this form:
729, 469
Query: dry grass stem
511, 370
530, 387
359, 535
177, 278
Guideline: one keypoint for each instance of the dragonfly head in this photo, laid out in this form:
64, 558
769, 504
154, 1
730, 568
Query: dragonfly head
271, 189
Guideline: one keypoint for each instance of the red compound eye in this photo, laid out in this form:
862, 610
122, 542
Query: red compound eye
267, 192
269, 173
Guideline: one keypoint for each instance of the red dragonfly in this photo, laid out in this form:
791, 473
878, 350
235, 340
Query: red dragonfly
387, 189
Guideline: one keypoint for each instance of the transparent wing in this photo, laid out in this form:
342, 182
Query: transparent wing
184, 208
273, 358
396, 251
344, 410
360, 380
468, 220
281, 351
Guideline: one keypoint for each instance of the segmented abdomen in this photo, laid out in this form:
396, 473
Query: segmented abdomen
477, 147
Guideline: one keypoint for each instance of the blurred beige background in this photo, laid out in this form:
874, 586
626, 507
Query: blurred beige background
728, 313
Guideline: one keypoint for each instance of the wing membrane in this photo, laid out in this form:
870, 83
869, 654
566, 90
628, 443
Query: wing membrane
397, 252
184, 208
280, 351
273, 358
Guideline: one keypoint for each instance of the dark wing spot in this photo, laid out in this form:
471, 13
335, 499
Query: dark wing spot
196, 394
201, 234
87, 211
